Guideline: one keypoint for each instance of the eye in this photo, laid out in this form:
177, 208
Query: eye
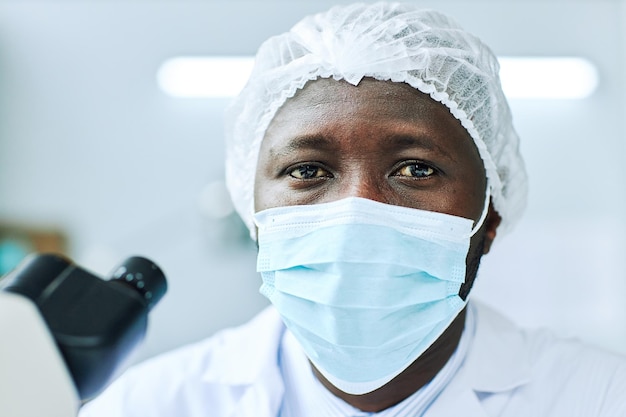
415, 170
308, 171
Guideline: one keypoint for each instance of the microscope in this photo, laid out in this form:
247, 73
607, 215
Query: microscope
64, 332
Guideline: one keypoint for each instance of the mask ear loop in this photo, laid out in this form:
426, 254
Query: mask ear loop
483, 216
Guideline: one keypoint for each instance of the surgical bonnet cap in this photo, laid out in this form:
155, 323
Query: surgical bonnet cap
385, 41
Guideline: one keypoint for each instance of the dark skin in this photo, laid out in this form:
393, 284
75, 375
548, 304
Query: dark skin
386, 142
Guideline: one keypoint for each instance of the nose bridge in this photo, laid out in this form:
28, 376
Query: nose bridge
365, 184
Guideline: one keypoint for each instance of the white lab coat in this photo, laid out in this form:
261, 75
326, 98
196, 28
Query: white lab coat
507, 373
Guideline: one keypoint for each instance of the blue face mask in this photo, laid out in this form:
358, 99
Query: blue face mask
365, 287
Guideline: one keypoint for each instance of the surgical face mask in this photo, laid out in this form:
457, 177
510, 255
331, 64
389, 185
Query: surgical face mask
365, 287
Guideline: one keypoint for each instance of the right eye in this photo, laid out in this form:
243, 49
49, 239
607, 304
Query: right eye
416, 170
308, 171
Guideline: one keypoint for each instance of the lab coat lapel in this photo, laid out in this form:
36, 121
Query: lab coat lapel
499, 359
497, 362
249, 375
457, 400
246, 368
262, 398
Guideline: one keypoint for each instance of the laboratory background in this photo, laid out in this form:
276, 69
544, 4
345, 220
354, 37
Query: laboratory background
111, 145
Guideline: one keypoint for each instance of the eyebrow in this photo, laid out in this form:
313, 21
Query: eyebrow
408, 141
299, 143
320, 142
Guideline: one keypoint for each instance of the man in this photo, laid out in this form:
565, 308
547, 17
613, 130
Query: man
373, 158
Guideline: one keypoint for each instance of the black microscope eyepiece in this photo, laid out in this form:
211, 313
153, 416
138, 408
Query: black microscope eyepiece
144, 276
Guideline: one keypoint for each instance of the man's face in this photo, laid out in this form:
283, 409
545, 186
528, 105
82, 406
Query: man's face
379, 140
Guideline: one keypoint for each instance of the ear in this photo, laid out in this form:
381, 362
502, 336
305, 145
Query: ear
491, 224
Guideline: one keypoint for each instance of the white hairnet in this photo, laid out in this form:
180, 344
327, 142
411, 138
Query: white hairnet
386, 41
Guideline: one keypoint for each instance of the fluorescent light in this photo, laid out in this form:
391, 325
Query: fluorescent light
210, 77
522, 77
547, 78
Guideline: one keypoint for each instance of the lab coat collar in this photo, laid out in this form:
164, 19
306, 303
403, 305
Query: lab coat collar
499, 359
456, 399
238, 360
496, 362
245, 365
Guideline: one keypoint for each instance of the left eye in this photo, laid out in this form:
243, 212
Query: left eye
306, 172
416, 170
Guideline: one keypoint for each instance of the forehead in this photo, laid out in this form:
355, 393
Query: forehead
387, 99
328, 108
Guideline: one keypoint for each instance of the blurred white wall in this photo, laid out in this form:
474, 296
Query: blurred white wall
88, 142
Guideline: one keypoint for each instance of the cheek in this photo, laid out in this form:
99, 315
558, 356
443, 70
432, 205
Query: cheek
260, 193
262, 178
472, 192
267, 191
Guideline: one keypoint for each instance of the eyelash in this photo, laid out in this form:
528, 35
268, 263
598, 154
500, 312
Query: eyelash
418, 165
311, 169
307, 168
